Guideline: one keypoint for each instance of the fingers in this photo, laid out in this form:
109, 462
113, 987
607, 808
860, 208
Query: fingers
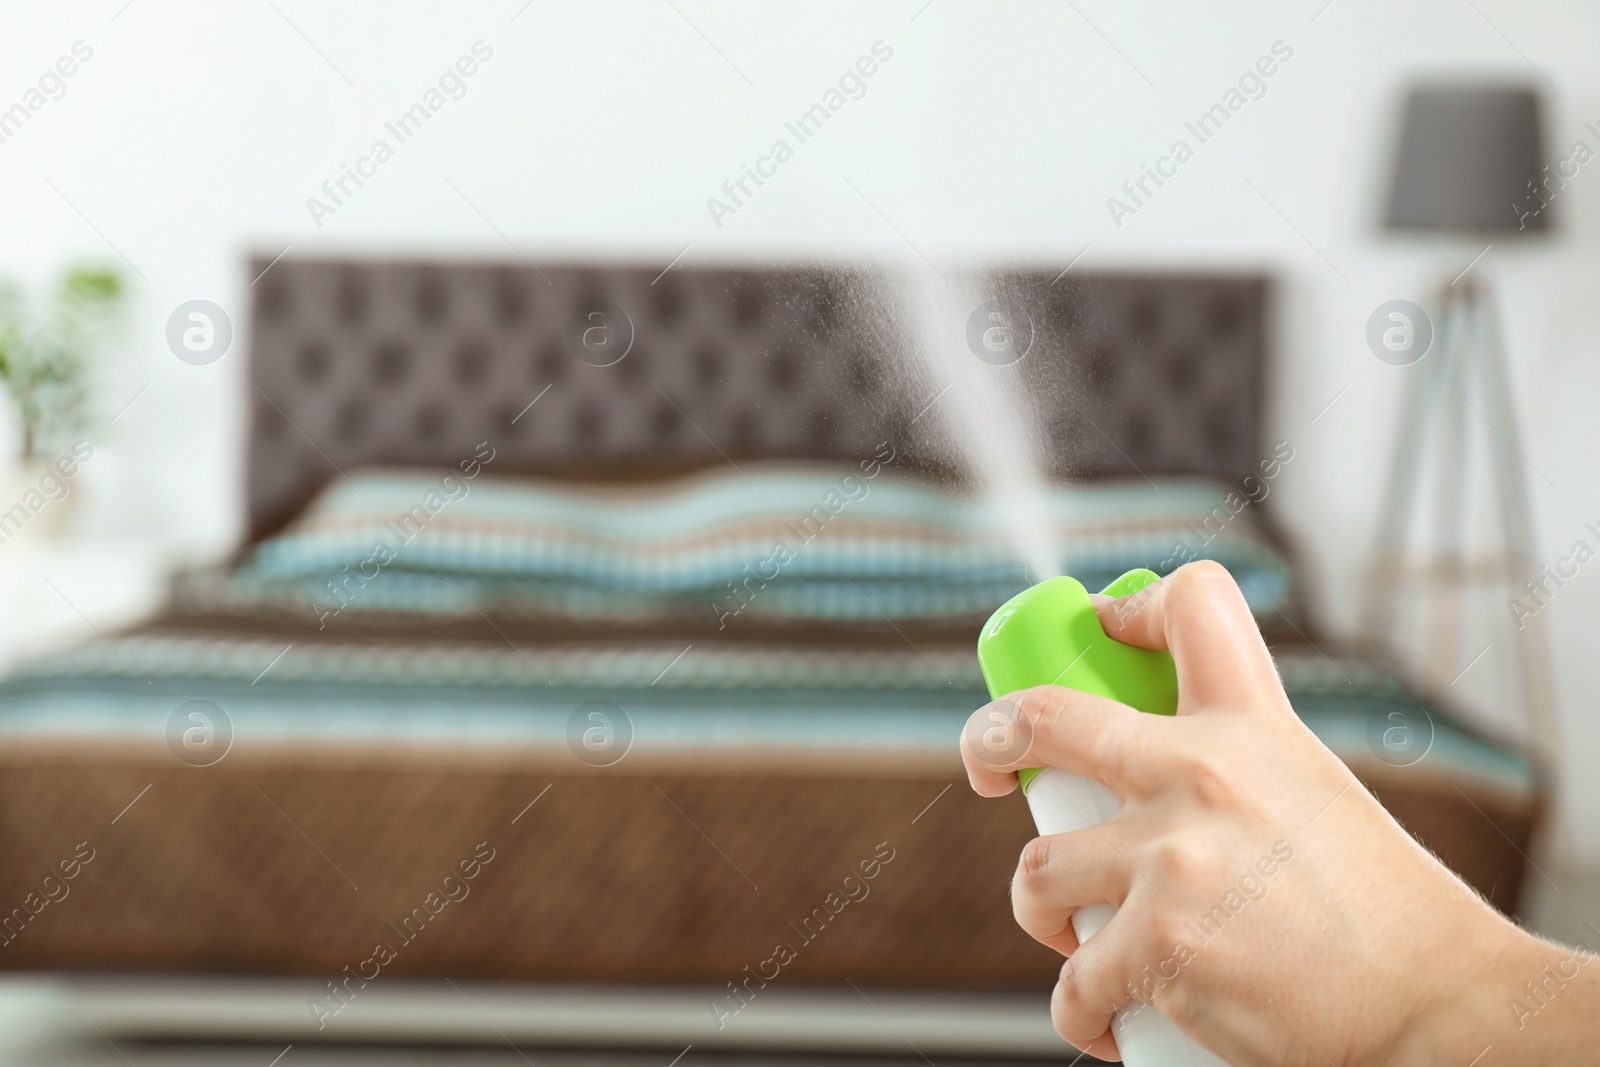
1198, 614
1060, 873
1102, 1048
1051, 726
1091, 989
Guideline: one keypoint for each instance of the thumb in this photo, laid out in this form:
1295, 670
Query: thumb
1198, 614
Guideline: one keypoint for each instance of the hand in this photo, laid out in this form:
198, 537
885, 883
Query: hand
1267, 903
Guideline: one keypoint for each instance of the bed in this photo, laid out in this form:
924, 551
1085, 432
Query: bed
649, 599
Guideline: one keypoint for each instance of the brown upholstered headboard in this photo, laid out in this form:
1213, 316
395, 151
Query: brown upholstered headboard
639, 372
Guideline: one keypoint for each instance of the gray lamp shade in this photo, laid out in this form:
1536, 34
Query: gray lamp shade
1465, 158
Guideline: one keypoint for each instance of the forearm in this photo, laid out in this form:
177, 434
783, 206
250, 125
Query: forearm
1528, 1001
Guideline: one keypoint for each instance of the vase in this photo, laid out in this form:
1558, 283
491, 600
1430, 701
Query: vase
38, 502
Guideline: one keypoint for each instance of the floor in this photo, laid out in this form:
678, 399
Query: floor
77, 1021
90, 1054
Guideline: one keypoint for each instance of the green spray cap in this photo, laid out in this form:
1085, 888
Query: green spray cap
1049, 634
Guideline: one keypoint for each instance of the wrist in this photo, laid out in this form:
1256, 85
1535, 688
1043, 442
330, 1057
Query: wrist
1485, 1006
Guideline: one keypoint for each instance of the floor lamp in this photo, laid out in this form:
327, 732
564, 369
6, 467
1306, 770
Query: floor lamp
1468, 167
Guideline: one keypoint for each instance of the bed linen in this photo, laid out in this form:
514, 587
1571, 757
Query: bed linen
772, 541
471, 631
515, 601
678, 697
772, 739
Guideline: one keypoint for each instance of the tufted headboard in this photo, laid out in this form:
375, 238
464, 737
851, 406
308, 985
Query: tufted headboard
629, 372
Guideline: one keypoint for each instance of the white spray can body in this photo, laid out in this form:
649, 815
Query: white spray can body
1063, 802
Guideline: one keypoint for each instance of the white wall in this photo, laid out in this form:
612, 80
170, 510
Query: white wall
197, 132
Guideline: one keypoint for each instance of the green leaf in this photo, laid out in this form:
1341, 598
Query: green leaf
92, 284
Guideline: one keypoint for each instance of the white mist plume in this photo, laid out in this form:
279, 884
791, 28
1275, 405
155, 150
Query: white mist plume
984, 411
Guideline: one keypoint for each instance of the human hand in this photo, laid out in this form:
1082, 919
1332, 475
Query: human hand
1267, 903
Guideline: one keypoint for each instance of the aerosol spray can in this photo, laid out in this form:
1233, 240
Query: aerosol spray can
1050, 635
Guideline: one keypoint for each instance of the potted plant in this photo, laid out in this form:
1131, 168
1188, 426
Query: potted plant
45, 363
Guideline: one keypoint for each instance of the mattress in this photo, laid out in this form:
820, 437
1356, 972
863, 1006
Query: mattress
587, 683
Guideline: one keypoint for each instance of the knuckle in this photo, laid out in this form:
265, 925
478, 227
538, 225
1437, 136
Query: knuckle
1072, 989
1201, 572
1034, 863
1077, 1008
1058, 720
1211, 785
1200, 581
1044, 704
1178, 861
1174, 861
1047, 714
